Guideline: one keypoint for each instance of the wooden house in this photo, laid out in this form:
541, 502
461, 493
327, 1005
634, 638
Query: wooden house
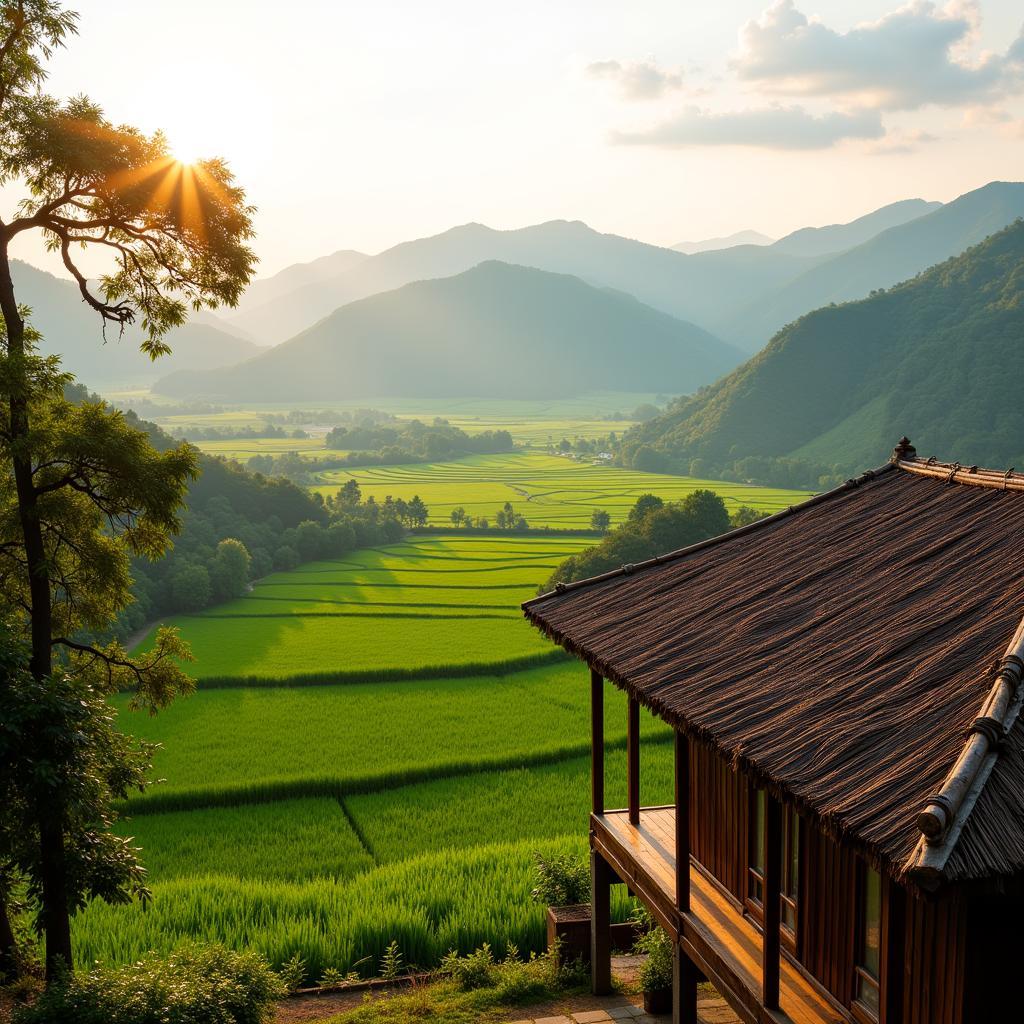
843, 679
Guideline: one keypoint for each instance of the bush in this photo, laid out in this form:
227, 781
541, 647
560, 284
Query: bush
561, 881
194, 985
656, 971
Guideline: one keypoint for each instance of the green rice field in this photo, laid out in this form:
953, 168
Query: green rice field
549, 490
432, 601
378, 746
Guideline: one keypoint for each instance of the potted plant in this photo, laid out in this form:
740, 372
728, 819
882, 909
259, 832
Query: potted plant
656, 971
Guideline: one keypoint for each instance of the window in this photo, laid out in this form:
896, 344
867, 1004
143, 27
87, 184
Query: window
790, 887
790, 873
755, 883
869, 943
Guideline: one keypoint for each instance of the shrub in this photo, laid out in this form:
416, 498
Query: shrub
656, 971
193, 985
561, 881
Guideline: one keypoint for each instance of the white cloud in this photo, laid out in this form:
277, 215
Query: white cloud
637, 80
767, 128
911, 57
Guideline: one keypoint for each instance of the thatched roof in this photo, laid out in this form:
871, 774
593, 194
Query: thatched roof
840, 652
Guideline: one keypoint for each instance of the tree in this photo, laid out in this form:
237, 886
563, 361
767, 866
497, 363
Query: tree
190, 587
417, 511
643, 505
229, 573
600, 520
176, 236
458, 516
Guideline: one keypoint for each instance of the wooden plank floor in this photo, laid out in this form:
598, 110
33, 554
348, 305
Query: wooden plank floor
728, 933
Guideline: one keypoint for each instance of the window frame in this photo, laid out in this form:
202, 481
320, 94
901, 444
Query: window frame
863, 1012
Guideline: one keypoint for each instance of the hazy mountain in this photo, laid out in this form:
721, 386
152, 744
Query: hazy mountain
837, 237
938, 358
496, 330
726, 242
700, 288
284, 282
74, 331
894, 255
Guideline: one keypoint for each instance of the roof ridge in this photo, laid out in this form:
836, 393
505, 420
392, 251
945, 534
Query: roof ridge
906, 458
741, 531
942, 820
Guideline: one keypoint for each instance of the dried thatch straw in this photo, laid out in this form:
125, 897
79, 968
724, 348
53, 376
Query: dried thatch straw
838, 651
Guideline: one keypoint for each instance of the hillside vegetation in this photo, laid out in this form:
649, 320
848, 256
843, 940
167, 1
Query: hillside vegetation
495, 331
937, 358
891, 256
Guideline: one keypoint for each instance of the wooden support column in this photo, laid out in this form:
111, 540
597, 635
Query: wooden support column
682, 778
772, 901
600, 925
596, 742
633, 759
894, 916
684, 988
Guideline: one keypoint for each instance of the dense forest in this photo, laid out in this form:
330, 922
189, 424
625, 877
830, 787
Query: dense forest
936, 358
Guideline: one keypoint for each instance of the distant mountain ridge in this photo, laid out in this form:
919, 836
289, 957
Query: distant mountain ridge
938, 358
725, 242
835, 238
496, 330
73, 331
894, 255
743, 293
692, 288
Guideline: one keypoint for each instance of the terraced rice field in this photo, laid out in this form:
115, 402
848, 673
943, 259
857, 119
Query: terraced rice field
347, 794
433, 601
548, 490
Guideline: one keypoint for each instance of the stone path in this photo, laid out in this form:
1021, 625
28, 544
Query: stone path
601, 1010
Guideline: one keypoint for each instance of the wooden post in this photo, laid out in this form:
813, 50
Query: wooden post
682, 778
770, 964
600, 925
894, 911
596, 742
684, 988
633, 759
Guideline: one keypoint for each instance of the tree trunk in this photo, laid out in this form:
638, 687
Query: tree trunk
53, 878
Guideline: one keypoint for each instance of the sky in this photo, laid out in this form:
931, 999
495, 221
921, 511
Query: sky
358, 125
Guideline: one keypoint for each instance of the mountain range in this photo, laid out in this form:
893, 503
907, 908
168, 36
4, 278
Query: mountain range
496, 330
743, 293
74, 331
937, 358
725, 242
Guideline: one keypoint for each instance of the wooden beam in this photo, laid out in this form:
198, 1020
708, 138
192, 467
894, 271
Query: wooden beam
894, 911
633, 759
596, 742
682, 779
770, 965
684, 988
600, 925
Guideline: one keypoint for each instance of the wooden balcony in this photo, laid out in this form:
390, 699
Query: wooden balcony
716, 936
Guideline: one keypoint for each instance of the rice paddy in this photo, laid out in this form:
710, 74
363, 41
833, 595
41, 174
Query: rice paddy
380, 743
549, 490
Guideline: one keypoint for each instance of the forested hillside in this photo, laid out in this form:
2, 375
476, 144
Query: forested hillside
894, 255
495, 331
937, 358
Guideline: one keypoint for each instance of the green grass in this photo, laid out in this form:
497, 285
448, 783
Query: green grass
548, 490
291, 840
543, 802
233, 745
429, 601
429, 904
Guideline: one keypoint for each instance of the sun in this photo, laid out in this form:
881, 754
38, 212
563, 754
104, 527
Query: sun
186, 151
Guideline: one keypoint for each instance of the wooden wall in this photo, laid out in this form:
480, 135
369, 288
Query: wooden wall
718, 819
